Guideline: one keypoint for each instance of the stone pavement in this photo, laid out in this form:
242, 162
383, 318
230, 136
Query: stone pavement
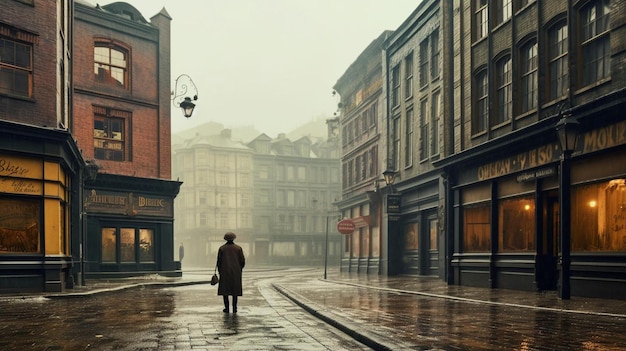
417, 313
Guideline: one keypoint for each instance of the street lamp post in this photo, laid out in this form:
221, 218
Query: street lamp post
326, 251
567, 130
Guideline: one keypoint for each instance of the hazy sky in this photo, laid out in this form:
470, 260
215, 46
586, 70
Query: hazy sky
270, 64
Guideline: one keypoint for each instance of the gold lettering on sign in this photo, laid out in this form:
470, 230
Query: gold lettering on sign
494, 169
604, 138
9, 168
20, 186
148, 202
106, 199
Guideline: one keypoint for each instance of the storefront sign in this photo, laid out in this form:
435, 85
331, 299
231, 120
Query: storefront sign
393, 203
20, 186
604, 138
361, 221
11, 166
128, 203
537, 157
345, 226
532, 175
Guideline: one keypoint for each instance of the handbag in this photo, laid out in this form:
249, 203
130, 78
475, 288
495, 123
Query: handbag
215, 279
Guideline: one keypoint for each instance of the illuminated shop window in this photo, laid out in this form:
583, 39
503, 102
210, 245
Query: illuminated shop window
411, 236
127, 244
19, 226
476, 228
109, 244
516, 224
599, 217
146, 245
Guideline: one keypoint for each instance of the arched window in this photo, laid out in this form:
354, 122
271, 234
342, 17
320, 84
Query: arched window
557, 61
528, 74
111, 64
505, 91
481, 114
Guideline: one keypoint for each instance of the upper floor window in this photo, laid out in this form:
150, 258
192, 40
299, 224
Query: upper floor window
424, 129
434, 123
16, 69
505, 9
435, 53
408, 75
424, 63
520, 4
595, 46
479, 122
408, 142
481, 19
396, 142
528, 73
557, 61
395, 86
505, 91
109, 134
110, 64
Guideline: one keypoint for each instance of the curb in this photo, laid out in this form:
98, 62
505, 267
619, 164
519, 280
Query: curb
123, 287
348, 327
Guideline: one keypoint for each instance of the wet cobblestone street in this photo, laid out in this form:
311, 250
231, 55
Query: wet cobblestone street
293, 309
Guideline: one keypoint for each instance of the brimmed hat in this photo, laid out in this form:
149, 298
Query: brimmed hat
230, 236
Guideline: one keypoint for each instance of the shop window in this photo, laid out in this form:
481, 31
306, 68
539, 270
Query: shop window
595, 44
516, 224
16, 69
110, 64
130, 240
476, 228
109, 245
411, 235
365, 242
19, 226
127, 245
146, 245
599, 217
109, 134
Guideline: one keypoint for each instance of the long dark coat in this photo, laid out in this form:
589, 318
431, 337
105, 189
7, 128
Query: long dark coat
230, 263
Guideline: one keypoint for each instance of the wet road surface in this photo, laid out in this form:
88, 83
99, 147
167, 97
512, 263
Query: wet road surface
396, 313
177, 318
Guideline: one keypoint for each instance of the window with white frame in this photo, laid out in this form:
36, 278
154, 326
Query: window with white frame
595, 44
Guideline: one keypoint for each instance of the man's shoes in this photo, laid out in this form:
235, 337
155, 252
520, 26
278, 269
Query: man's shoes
226, 310
235, 309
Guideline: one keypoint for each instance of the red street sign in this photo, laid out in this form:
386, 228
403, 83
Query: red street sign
345, 226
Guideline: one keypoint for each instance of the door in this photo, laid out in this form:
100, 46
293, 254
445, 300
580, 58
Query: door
547, 270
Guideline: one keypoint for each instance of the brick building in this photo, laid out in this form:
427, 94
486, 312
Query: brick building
122, 125
40, 164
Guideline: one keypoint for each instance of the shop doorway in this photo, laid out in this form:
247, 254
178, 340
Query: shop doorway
547, 260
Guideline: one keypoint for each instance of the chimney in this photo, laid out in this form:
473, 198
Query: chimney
226, 133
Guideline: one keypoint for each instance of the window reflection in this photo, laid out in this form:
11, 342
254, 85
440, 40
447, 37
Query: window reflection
476, 228
146, 247
516, 224
410, 236
127, 244
109, 241
599, 216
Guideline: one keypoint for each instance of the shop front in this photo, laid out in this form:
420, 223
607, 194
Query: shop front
508, 216
39, 173
129, 227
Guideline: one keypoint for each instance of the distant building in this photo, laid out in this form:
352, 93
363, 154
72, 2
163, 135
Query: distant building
275, 194
363, 146
122, 125
216, 196
40, 163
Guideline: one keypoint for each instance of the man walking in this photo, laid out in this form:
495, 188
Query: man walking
230, 263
